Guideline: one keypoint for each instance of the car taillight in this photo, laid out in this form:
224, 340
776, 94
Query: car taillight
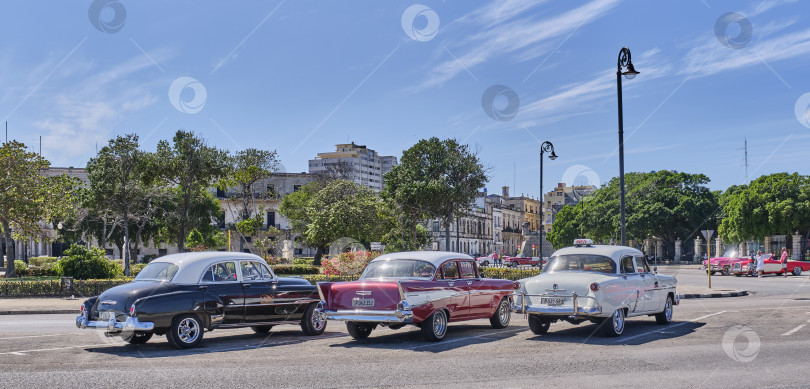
83, 310
132, 310
594, 287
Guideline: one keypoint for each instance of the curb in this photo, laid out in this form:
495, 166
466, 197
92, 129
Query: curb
42, 312
714, 295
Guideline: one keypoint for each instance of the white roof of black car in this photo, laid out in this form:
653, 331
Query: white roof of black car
436, 258
191, 265
611, 251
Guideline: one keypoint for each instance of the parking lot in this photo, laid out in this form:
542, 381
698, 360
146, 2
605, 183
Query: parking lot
759, 340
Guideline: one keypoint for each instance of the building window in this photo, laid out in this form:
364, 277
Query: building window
271, 191
296, 188
435, 226
271, 219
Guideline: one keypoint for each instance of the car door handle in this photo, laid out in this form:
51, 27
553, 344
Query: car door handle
246, 286
203, 287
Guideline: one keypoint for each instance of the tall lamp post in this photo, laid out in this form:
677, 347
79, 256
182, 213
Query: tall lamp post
630, 72
546, 147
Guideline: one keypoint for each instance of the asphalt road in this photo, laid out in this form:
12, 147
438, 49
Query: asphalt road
761, 340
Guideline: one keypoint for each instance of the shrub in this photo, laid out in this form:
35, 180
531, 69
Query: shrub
82, 263
49, 270
295, 269
507, 273
353, 262
304, 261
149, 257
135, 268
42, 261
21, 268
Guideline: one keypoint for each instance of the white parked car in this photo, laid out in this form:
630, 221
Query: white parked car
597, 283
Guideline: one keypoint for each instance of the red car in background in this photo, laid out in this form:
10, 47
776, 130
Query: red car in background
772, 266
428, 289
725, 263
516, 261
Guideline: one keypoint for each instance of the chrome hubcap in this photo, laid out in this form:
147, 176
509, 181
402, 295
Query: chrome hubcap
504, 312
439, 323
618, 320
188, 330
669, 310
317, 321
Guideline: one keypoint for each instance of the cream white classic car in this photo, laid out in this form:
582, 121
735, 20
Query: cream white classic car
597, 283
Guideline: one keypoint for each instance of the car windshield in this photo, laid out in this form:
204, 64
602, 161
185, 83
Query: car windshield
581, 262
399, 268
162, 271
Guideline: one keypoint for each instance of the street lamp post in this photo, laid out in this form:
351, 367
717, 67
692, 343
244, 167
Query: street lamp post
546, 147
630, 72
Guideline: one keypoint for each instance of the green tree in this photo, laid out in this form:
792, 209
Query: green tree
28, 197
115, 178
340, 209
192, 166
245, 169
435, 179
770, 205
662, 204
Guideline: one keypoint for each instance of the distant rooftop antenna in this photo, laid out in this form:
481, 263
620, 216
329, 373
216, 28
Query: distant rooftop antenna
745, 148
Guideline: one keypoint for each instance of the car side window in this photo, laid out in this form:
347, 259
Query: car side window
627, 265
641, 265
266, 273
251, 271
450, 270
467, 269
221, 272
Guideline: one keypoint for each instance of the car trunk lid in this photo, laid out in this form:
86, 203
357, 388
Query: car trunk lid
366, 295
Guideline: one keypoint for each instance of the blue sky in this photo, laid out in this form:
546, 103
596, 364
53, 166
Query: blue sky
301, 76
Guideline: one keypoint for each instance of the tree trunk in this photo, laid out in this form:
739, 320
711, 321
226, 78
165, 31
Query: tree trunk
125, 253
181, 242
319, 251
10, 254
137, 242
458, 232
447, 237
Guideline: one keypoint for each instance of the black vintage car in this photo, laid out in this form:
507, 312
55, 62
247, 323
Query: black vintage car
182, 295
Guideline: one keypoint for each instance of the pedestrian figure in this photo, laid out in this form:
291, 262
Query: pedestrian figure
499, 261
760, 263
783, 259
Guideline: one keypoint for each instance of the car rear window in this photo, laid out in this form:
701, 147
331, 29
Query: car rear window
399, 268
162, 271
581, 262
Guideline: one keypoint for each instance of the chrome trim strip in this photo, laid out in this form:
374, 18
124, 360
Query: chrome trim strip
262, 323
395, 316
130, 324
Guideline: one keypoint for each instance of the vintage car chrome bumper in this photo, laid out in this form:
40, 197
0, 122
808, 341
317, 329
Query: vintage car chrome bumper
130, 324
576, 309
403, 314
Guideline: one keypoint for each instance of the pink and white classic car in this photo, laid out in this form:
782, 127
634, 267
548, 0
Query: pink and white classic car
428, 289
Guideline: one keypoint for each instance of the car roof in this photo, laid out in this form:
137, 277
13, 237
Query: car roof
611, 251
434, 257
192, 265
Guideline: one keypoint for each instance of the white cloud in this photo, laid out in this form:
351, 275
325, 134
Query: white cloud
506, 36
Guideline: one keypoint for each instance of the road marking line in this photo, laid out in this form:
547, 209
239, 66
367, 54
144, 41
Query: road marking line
668, 327
52, 349
31, 336
465, 338
793, 331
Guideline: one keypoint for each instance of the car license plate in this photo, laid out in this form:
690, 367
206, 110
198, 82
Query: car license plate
360, 302
107, 315
552, 301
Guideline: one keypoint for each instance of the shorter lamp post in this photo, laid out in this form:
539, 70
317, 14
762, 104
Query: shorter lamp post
630, 73
545, 147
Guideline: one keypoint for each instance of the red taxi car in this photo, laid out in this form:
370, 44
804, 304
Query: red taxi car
517, 261
772, 266
428, 289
